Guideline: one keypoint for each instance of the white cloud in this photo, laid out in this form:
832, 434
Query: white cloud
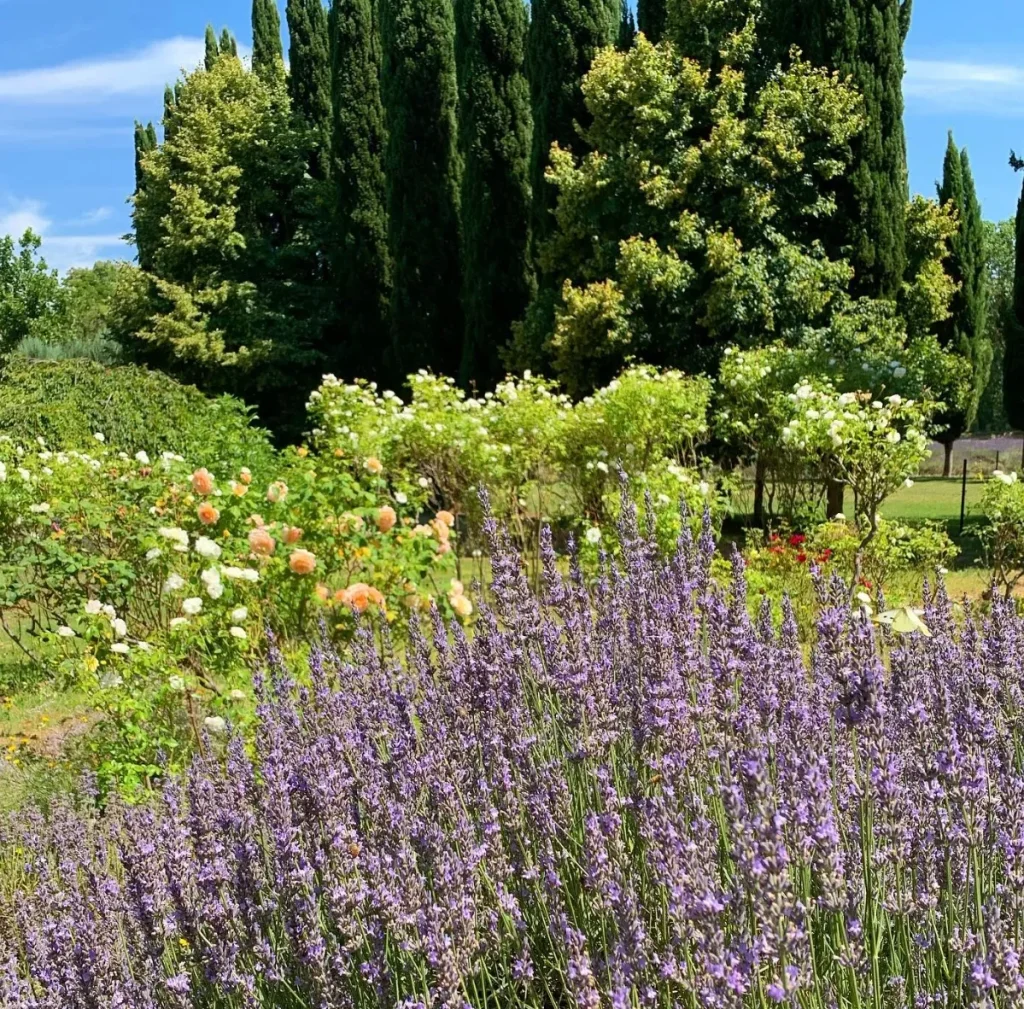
20, 216
992, 88
67, 252
61, 251
91, 81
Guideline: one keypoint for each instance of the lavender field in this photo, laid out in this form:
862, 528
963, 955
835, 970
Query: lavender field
624, 795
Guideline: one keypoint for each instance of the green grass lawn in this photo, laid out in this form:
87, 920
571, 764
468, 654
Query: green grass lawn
935, 500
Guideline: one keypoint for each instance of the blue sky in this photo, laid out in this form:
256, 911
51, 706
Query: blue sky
74, 77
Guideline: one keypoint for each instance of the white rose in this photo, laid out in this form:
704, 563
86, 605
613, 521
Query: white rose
93, 607
205, 547
215, 724
238, 632
65, 632
593, 535
142, 457
100, 437
192, 606
174, 583
120, 627
151, 555
121, 648
239, 614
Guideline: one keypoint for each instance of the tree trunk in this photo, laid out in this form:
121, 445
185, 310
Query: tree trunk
947, 466
836, 496
759, 494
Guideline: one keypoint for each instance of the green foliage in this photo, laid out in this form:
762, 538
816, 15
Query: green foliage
495, 137
32, 301
564, 37
683, 230
95, 348
862, 40
420, 91
627, 28
67, 402
267, 51
362, 266
232, 301
999, 262
963, 332
309, 78
90, 296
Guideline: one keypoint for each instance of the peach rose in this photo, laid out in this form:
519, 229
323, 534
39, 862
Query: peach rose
357, 596
277, 492
238, 489
245, 475
447, 518
202, 481
291, 534
374, 465
208, 515
422, 530
462, 606
386, 519
261, 542
302, 562
441, 530
323, 593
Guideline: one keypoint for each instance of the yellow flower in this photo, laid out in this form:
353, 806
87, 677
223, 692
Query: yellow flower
302, 452
90, 664
374, 465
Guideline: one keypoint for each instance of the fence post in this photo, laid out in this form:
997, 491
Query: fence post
963, 499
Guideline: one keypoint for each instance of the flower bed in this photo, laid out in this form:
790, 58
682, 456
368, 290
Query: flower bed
628, 796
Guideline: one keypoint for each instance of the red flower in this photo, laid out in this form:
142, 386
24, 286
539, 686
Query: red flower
826, 556
801, 558
775, 538
797, 539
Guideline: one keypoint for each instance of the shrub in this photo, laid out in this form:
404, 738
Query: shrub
1002, 535
631, 796
65, 402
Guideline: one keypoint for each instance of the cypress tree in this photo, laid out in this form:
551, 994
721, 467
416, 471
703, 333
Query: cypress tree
267, 51
420, 94
170, 103
145, 142
495, 124
863, 40
1013, 381
228, 44
361, 264
212, 48
309, 79
652, 18
627, 28
563, 39
963, 333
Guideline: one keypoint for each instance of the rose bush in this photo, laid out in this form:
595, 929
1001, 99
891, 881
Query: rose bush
150, 581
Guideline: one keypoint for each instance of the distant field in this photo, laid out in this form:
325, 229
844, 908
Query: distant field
935, 500
982, 454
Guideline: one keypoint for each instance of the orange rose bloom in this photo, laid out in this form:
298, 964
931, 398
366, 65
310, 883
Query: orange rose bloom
374, 465
357, 596
447, 518
386, 519
291, 534
323, 592
302, 562
261, 542
208, 515
245, 476
239, 489
202, 481
440, 530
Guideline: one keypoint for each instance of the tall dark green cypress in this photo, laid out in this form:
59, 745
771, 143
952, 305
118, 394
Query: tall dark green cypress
495, 133
563, 39
267, 51
963, 333
863, 40
361, 264
1013, 366
212, 48
309, 79
652, 18
145, 142
627, 28
170, 103
228, 44
420, 92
